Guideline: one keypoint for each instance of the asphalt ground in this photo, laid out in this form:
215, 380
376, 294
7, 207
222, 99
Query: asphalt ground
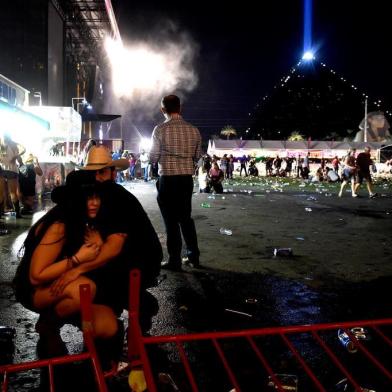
340, 268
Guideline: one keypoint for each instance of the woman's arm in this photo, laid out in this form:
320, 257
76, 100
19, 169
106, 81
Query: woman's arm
44, 269
37, 168
111, 248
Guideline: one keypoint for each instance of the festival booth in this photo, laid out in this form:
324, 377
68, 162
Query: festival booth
57, 147
52, 134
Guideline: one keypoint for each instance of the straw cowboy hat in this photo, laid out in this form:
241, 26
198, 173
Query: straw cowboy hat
99, 157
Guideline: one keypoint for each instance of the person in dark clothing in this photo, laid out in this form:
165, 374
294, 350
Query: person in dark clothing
176, 146
243, 162
216, 178
253, 170
137, 245
363, 164
27, 179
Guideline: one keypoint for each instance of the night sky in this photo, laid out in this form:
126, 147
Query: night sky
246, 47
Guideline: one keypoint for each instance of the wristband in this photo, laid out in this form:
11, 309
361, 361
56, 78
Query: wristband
75, 261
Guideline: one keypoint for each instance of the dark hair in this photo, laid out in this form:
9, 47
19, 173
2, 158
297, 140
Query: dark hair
72, 212
171, 103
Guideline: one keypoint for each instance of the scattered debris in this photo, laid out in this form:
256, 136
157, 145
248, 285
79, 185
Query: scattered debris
344, 386
289, 382
251, 301
237, 312
165, 378
286, 252
225, 231
346, 341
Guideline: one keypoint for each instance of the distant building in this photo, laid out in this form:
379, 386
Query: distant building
312, 100
32, 48
53, 48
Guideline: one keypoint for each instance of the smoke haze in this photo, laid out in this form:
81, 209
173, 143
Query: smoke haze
145, 69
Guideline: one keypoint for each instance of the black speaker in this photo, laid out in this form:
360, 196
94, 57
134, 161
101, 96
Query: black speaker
93, 83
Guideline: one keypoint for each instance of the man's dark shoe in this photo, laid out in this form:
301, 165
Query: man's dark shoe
167, 265
193, 263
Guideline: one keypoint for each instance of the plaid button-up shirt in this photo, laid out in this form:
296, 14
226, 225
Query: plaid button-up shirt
176, 146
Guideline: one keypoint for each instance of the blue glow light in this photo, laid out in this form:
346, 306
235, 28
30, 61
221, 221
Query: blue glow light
308, 56
307, 25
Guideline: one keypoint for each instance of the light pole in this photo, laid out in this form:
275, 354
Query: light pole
365, 125
37, 94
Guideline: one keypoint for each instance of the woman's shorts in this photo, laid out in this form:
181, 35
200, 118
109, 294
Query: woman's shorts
9, 175
348, 174
363, 176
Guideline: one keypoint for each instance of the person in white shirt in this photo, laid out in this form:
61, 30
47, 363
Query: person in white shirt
144, 164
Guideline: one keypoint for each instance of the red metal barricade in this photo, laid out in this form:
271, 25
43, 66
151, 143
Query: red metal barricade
89, 355
375, 359
378, 362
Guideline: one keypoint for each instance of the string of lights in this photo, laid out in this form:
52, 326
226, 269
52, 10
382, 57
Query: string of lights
283, 81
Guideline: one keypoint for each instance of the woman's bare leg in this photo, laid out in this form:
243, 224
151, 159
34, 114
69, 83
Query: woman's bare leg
13, 189
104, 321
65, 304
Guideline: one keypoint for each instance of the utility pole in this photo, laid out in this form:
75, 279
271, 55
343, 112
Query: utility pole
365, 126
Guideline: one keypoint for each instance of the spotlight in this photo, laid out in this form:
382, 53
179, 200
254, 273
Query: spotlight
308, 56
145, 144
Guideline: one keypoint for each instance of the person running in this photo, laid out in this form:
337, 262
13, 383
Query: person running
363, 164
349, 172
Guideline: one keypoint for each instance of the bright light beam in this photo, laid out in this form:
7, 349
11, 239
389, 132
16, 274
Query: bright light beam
140, 70
307, 25
145, 144
308, 56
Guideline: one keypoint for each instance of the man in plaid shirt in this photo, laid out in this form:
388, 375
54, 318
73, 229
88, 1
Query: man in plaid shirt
176, 146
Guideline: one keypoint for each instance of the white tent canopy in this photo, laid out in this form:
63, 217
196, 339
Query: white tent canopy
284, 148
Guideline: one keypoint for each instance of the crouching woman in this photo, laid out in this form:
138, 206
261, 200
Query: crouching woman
56, 245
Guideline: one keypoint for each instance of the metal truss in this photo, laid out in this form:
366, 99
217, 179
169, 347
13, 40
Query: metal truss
87, 24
